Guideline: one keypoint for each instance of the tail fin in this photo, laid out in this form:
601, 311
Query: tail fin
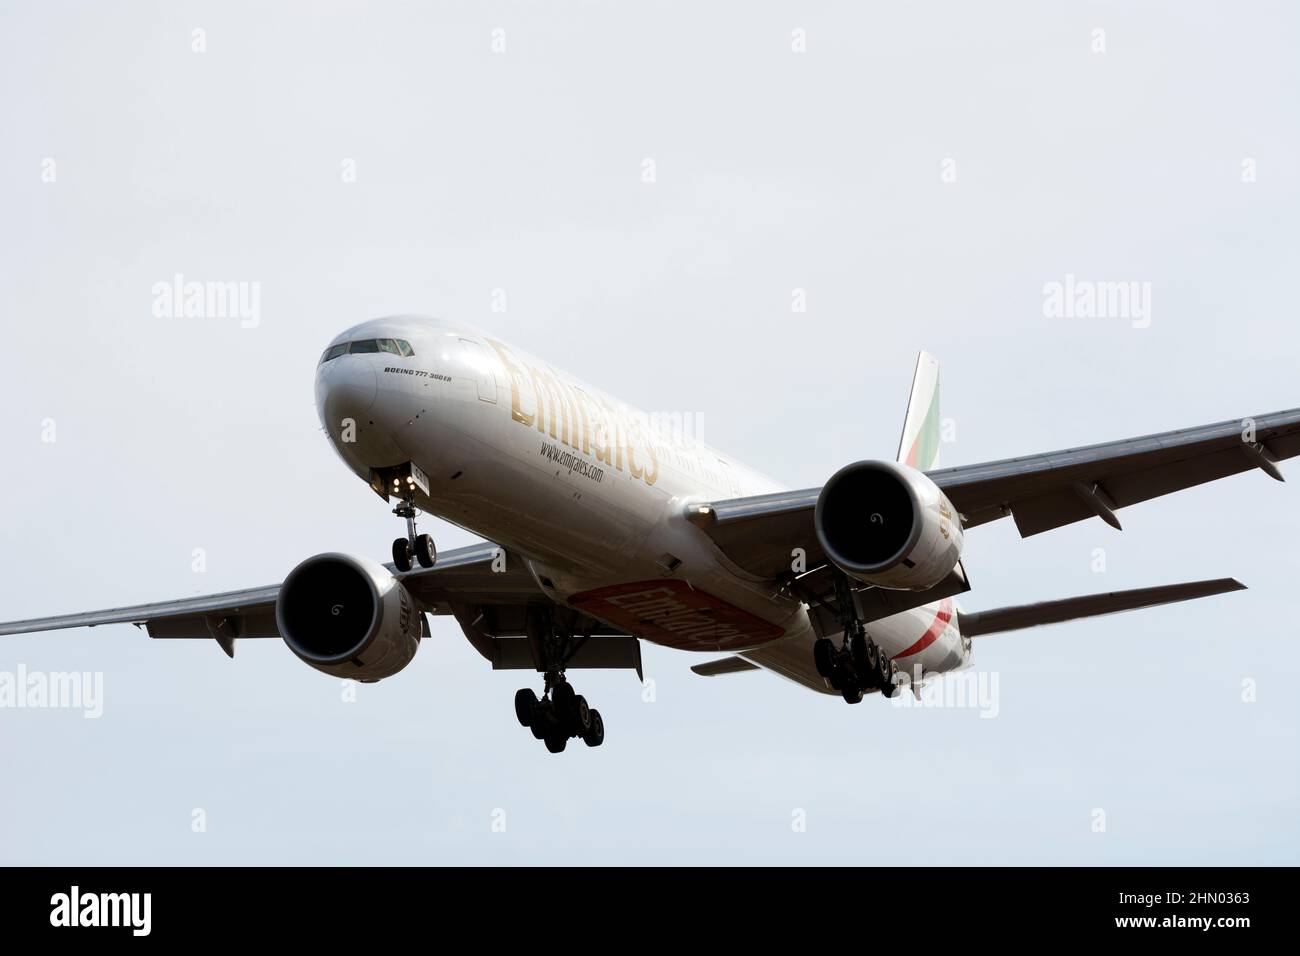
1069, 609
919, 446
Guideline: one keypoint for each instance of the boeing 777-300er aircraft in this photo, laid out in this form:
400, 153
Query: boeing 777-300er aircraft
601, 532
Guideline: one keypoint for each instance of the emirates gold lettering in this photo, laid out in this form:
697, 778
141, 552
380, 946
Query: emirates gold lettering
588, 423
516, 379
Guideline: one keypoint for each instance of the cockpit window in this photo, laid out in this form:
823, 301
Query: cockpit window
368, 346
333, 352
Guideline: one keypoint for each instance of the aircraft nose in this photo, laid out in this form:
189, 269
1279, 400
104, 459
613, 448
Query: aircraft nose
345, 391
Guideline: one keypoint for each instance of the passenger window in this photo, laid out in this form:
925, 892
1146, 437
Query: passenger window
364, 345
405, 347
333, 352
388, 345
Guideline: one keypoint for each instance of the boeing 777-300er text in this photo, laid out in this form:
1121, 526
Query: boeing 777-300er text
602, 531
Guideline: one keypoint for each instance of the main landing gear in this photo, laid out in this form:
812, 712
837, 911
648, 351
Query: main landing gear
858, 664
414, 546
560, 713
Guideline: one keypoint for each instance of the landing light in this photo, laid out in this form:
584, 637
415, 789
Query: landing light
406, 478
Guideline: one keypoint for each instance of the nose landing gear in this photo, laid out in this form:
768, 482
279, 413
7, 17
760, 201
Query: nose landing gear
414, 546
402, 482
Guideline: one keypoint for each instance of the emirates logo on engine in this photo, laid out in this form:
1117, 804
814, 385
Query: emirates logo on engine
404, 609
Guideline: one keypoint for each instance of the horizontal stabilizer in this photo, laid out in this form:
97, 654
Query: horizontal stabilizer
1090, 605
728, 665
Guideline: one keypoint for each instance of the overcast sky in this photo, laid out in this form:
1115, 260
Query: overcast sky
656, 188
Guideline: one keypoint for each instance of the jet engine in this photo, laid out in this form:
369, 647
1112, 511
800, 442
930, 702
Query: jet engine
888, 525
348, 617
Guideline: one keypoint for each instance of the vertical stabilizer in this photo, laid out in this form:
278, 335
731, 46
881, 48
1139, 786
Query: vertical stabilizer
920, 443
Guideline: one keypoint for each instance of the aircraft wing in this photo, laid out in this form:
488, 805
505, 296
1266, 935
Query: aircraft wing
1039, 492
251, 606
488, 603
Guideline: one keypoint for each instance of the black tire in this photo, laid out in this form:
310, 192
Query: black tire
543, 722
889, 680
852, 695
580, 716
861, 652
595, 735
824, 657
425, 552
539, 725
402, 554
883, 668
525, 701
839, 679
562, 696
555, 743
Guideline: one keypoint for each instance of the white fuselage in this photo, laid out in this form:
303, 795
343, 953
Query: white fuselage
585, 489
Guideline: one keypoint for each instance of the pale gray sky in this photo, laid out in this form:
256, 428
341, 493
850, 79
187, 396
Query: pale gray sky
522, 170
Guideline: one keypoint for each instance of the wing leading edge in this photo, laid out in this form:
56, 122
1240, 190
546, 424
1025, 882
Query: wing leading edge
1040, 492
464, 573
487, 595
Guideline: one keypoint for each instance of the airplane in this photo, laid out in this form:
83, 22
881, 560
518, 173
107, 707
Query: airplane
602, 530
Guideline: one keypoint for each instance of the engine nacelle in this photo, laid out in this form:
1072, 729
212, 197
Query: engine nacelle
349, 617
888, 525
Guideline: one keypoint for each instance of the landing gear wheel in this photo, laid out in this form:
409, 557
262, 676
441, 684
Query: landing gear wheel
556, 744
525, 701
861, 652
402, 554
581, 716
885, 671
425, 552
414, 545
562, 696
824, 657
595, 735
852, 695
